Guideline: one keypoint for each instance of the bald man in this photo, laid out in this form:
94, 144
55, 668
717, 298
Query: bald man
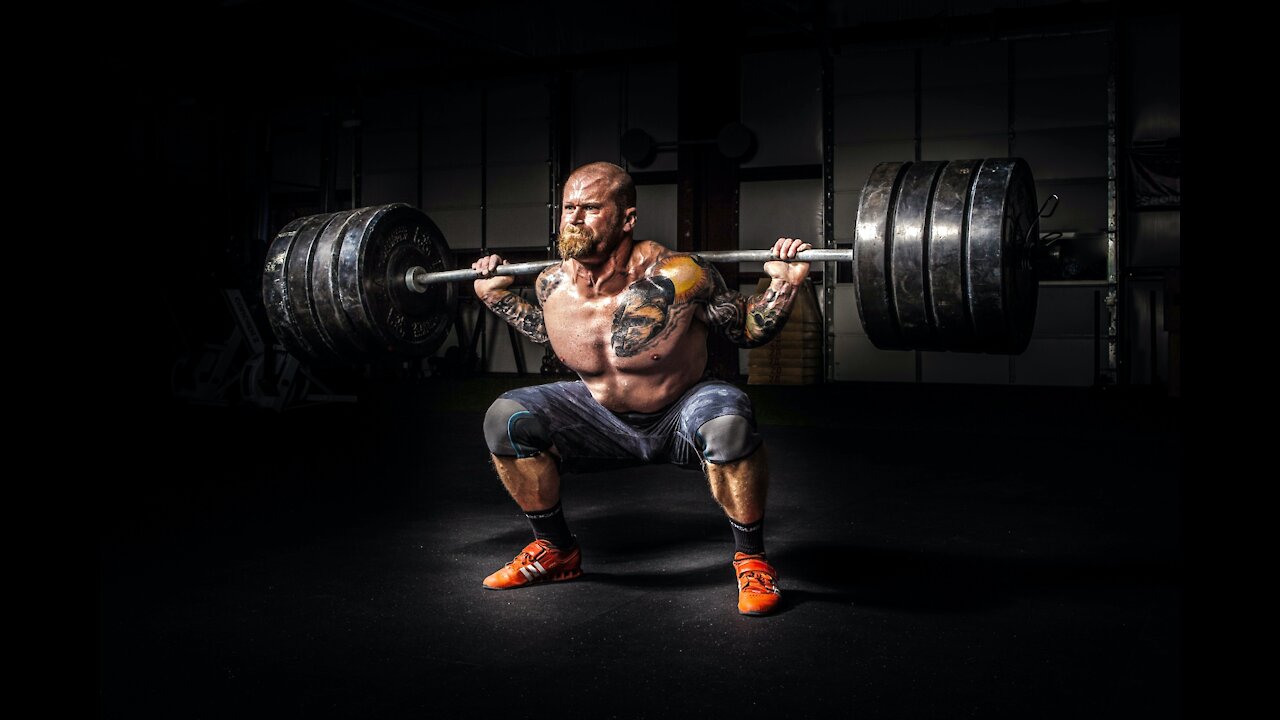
631, 319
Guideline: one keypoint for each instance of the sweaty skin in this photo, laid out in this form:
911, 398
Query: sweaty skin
631, 318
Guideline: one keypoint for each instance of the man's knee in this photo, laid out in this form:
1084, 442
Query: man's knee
512, 431
727, 438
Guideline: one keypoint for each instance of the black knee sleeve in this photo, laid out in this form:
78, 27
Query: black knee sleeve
727, 438
512, 431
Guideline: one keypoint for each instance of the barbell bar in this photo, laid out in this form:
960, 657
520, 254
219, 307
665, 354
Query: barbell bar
418, 279
944, 257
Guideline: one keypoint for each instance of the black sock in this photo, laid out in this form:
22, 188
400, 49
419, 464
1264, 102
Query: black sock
550, 525
748, 539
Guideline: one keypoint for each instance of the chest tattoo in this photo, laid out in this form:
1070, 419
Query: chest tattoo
648, 310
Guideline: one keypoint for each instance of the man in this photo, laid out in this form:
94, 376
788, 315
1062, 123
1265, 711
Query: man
631, 318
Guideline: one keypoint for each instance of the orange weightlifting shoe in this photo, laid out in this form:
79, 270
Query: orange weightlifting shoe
538, 562
758, 591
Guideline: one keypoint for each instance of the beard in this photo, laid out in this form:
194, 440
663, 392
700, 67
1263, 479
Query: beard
576, 241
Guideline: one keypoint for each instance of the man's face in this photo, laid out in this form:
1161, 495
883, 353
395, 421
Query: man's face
592, 224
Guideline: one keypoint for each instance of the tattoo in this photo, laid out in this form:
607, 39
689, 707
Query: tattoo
748, 321
643, 315
521, 314
548, 281
650, 309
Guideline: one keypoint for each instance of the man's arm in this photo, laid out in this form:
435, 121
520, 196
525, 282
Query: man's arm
753, 321
520, 313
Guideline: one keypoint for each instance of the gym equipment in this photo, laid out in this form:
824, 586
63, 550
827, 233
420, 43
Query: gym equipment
944, 255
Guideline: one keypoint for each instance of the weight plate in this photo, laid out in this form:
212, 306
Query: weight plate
909, 259
947, 255
334, 325
1003, 228
379, 249
872, 234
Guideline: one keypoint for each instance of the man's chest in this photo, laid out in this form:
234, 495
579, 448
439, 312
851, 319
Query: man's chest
648, 315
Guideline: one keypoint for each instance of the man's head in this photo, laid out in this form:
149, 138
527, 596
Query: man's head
599, 211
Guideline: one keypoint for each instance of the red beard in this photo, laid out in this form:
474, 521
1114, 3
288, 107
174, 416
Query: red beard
575, 241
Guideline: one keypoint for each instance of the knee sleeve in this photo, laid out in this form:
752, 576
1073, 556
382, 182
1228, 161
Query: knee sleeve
727, 438
512, 431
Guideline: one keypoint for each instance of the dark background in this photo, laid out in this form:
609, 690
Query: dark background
958, 537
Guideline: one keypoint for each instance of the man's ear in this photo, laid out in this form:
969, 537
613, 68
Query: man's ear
630, 219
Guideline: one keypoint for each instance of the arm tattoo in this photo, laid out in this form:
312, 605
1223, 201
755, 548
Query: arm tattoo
548, 280
521, 314
748, 321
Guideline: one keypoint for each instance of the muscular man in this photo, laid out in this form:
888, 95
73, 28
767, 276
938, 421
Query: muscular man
631, 318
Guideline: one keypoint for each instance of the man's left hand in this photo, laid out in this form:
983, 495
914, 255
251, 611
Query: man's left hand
786, 249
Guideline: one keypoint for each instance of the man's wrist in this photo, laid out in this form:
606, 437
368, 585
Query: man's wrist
492, 296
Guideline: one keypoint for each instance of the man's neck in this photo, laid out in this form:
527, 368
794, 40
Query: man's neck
608, 276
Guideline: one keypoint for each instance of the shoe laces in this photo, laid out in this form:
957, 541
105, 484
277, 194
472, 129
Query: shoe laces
757, 581
526, 558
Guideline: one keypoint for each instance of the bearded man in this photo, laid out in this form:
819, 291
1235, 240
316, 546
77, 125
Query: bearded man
631, 319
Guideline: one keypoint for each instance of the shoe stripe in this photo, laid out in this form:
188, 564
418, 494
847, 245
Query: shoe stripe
539, 566
525, 571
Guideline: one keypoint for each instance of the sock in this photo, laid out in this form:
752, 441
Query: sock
748, 539
550, 525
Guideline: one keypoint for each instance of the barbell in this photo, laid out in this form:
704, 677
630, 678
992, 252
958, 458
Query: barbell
944, 258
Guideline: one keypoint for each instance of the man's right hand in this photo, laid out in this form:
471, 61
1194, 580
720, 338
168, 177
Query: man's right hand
490, 283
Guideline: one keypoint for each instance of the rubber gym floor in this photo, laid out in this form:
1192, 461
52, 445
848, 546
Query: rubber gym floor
946, 552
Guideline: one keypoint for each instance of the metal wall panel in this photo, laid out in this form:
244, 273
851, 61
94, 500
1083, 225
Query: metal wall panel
652, 106
772, 209
857, 360
1141, 315
451, 188
782, 104
341, 164
1062, 363
1061, 57
596, 95
960, 111
1065, 311
390, 111
452, 105
517, 226
853, 162
888, 115
295, 142
518, 141
445, 145
861, 73
1153, 70
971, 147
846, 215
380, 188
1082, 205
1156, 239
389, 151
1064, 153
845, 317
527, 99
965, 66
1044, 103
518, 184
461, 226
656, 214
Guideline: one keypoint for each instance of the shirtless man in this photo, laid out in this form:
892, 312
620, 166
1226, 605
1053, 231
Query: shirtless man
631, 318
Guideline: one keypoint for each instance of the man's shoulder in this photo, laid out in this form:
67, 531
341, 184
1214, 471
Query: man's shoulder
690, 277
548, 280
